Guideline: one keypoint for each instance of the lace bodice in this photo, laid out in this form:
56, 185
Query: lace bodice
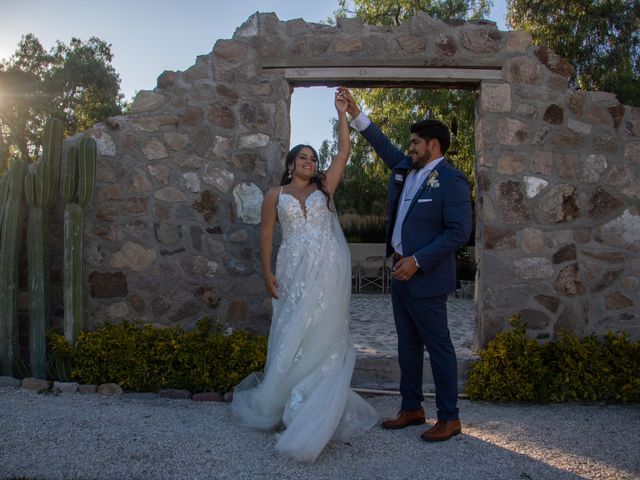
312, 218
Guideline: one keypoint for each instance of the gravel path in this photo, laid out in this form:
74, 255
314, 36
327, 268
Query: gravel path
75, 436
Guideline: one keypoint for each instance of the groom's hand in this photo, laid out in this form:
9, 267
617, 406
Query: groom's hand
352, 107
404, 269
271, 283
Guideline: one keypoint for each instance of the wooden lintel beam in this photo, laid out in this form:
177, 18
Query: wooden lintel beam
344, 75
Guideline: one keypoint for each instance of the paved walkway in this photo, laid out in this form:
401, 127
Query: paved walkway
376, 342
374, 332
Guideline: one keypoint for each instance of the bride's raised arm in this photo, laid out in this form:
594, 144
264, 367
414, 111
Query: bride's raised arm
334, 173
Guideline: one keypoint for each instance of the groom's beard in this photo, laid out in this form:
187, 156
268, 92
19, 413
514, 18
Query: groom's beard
418, 162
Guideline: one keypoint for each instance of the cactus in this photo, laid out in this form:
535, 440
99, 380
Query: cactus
11, 219
78, 187
41, 187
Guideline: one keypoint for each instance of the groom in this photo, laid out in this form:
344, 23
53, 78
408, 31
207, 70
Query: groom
429, 219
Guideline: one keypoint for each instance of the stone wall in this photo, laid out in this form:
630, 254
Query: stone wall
173, 232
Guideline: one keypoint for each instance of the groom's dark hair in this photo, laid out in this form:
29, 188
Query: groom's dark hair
428, 129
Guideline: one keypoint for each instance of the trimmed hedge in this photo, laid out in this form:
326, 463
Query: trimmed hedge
142, 358
514, 368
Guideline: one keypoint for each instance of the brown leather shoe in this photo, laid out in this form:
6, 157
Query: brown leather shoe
442, 430
404, 419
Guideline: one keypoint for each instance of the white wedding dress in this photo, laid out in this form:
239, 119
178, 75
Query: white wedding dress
310, 358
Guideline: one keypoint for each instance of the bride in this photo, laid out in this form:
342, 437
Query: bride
310, 357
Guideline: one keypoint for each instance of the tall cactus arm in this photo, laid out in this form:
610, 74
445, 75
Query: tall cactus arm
51, 154
87, 152
70, 183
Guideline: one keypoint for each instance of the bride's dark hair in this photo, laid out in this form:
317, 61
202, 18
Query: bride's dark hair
318, 178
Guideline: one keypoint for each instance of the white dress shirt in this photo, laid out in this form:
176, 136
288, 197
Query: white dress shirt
411, 185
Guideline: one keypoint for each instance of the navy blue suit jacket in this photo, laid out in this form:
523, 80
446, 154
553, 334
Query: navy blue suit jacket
438, 222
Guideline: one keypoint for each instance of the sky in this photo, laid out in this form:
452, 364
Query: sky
150, 36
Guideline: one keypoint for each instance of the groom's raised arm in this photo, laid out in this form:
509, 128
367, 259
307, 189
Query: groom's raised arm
390, 154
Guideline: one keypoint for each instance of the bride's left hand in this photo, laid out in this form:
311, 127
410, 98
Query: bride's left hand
341, 102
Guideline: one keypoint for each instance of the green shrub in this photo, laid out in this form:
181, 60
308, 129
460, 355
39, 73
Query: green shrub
143, 358
514, 368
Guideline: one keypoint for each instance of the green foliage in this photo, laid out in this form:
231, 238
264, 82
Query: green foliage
599, 38
142, 358
514, 368
74, 82
394, 12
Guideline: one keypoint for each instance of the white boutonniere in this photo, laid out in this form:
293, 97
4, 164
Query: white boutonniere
432, 180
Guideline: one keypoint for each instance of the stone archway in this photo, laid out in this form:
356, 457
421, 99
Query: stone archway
173, 232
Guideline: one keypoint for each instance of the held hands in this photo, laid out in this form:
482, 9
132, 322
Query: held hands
341, 102
404, 269
352, 106
271, 283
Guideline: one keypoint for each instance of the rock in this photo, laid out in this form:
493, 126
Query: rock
558, 205
175, 394
221, 178
104, 143
618, 301
159, 172
207, 397
482, 40
554, 62
208, 296
155, 150
36, 384
207, 205
257, 140
567, 165
191, 182
511, 162
137, 303
554, 114
198, 265
133, 256
579, 127
140, 183
248, 198
542, 163
170, 194
549, 302
511, 203
534, 185
601, 203
108, 284
176, 141
65, 387
167, 234
110, 390
222, 116
532, 240
592, 167
623, 231
572, 319
117, 311
498, 238
511, 132
228, 397
523, 70
147, 101
533, 268
565, 254
189, 161
568, 281
632, 152
495, 97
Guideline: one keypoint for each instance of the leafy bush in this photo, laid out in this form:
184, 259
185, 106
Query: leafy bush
143, 358
514, 368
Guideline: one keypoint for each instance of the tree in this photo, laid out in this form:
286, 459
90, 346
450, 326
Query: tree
395, 109
600, 38
74, 82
